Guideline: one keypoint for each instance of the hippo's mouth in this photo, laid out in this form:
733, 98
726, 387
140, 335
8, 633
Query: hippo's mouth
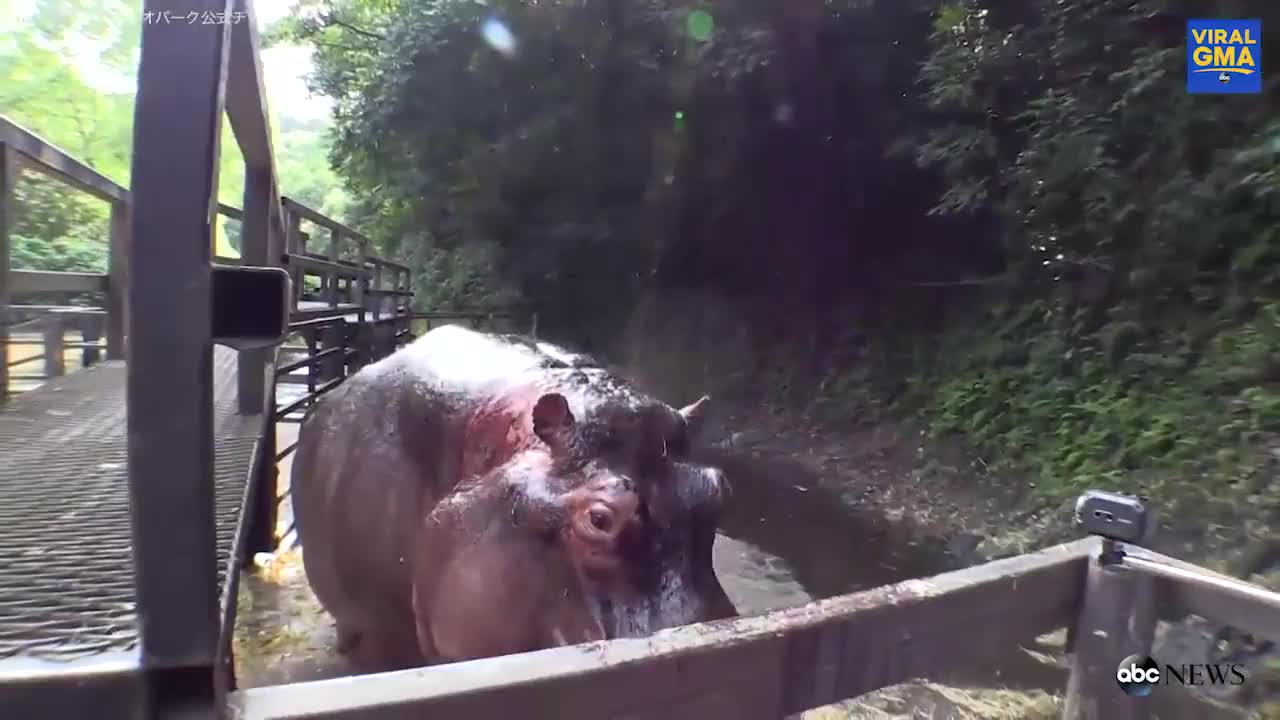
673, 603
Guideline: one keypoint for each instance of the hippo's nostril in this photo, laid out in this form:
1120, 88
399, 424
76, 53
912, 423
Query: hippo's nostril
600, 519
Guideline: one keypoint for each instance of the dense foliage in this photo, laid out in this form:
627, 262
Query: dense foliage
1004, 216
1139, 327
849, 168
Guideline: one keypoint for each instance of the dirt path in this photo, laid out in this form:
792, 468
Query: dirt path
924, 496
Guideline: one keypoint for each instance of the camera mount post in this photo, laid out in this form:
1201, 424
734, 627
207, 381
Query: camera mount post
1117, 614
1112, 553
1123, 522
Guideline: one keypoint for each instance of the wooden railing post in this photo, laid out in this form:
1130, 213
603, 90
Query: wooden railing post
302, 250
335, 244
294, 245
8, 179
402, 306
254, 248
118, 281
54, 348
1117, 620
90, 333
360, 298
360, 291
332, 337
313, 369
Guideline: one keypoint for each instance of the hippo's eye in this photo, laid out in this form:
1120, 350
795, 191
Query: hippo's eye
600, 519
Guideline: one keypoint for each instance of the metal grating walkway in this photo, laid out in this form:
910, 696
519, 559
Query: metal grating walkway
66, 580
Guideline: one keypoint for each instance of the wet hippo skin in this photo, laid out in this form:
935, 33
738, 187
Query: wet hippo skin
475, 495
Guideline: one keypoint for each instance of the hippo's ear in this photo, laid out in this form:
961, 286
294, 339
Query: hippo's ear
552, 419
695, 416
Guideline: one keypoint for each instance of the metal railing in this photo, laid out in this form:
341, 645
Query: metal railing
329, 357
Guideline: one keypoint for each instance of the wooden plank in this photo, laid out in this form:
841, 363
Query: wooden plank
54, 310
445, 315
247, 110
50, 160
1188, 589
231, 212
404, 279
1141, 553
359, 297
379, 301
311, 266
780, 663
387, 263
277, 230
1117, 619
324, 221
26, 282
340, 261
55, 364
247, 107
254, 244
315, 311
177, 126
118, 281
335, 245
90, 334
8, 180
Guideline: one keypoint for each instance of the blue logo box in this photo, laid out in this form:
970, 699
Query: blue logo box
1224, 57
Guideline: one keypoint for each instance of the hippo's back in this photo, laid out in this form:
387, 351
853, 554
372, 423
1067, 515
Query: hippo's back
368, 451
473, 363
373, 451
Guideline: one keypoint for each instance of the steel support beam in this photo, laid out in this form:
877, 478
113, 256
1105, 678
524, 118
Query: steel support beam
177, 127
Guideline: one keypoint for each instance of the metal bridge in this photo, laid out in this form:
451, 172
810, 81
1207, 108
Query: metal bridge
132, 490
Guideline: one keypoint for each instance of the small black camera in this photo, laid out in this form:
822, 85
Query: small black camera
1123, 518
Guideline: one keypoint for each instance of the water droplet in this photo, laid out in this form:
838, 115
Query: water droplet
499, 37
700, 25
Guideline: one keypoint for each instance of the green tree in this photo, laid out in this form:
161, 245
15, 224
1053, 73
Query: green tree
68, 73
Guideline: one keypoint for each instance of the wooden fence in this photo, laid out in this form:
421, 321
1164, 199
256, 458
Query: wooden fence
356, 285
776, 665
49, 295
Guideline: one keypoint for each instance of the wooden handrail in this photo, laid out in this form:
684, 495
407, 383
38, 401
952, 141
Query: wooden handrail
312, 265
329, 223
387, 263
767, 666
42, 155
29, 282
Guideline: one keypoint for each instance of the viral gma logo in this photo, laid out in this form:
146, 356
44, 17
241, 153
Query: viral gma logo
1224, 57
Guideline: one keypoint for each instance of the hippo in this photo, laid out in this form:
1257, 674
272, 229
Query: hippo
473, 495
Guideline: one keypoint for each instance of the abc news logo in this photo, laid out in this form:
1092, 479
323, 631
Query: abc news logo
1137, 674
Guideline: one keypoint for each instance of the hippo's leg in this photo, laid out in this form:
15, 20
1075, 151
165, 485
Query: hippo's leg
426, 643
385, 651
348, 639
